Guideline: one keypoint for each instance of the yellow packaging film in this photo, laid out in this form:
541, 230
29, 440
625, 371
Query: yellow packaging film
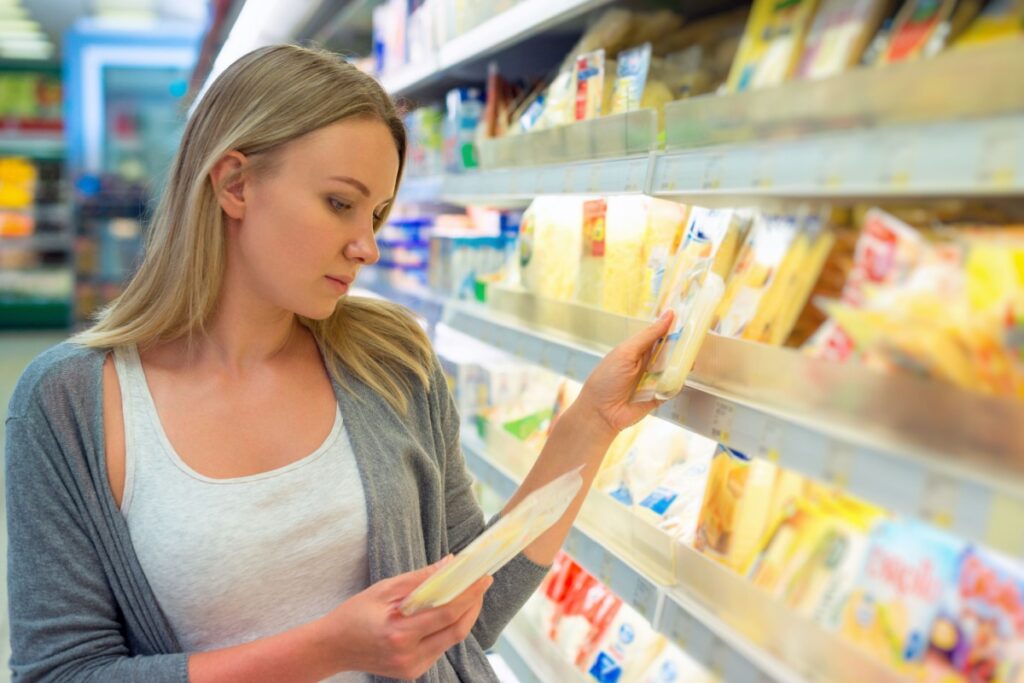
735, 511
509, 536
666, 225
550, 237
1001, 19
612, 253
692, 293
772, 43
590, 284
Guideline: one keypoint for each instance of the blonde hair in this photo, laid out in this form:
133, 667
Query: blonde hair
264, 100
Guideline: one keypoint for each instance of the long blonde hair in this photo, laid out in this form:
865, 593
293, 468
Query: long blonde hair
264, 100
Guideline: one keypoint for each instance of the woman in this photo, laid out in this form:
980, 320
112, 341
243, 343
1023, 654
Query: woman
238, 471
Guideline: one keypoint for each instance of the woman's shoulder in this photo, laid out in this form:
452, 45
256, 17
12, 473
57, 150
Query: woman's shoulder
65, 371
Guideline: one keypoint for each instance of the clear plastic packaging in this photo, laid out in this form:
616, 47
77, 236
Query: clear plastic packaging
498, 545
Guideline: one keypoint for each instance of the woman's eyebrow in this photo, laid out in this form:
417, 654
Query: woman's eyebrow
363, 190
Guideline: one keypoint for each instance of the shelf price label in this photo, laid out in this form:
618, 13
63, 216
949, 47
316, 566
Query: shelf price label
668, 181
714, 166
999, 156
898, 160
569, 179
636, 175
939, 500
838, 464
721, 421
771, 440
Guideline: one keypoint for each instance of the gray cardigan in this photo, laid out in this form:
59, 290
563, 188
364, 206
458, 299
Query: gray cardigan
80, 606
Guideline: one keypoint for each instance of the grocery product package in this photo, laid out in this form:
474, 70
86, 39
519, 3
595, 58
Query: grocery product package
666, 225
512, 533
923, 28
550, 240
631, 79
978, 635
675, 666
692, 293
613, 237
909, 571
839, 35
625, 649
589, 77
674, 505
999, 20
735, 509
772, 277
772, 43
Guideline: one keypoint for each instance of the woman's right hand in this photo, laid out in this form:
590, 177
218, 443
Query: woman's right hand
368, 633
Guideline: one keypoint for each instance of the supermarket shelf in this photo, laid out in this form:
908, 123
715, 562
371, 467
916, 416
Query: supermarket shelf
718, 617
962, 159
422, 190
38, 242
522, 20
933, 452
41, 145
533, 658
627, 175
946, 88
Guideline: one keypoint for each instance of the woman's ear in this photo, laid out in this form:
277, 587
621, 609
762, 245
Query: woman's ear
229, 182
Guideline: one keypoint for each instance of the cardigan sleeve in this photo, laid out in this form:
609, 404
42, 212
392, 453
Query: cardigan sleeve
65, 624
516, 581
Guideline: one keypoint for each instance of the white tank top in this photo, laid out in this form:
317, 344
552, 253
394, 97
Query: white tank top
232, 560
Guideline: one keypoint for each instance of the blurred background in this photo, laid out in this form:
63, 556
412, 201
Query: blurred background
830, 195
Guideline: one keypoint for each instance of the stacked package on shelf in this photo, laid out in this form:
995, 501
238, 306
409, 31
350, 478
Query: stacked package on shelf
468, 251
17, 195
950, 309
603, 637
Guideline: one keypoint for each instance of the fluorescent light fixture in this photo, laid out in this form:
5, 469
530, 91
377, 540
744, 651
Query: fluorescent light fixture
259, 23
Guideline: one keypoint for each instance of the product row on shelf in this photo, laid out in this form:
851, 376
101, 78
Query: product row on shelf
644, 63
873, 587
35, 243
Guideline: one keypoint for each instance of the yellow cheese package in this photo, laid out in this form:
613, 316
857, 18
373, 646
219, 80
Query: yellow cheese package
839, 35
590, 82
612, 253
735, 510
666, 225
772, 43
509, 536
1001, 19
747, 301
692, 294
550, 236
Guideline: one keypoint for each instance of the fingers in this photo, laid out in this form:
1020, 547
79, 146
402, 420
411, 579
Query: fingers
457, 631
641, 342
431, 621
403, 584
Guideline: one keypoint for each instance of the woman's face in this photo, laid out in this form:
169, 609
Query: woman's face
310, 220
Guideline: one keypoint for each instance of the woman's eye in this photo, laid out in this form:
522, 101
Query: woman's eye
337, 204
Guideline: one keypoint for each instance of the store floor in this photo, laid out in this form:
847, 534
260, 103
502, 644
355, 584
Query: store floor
16, 350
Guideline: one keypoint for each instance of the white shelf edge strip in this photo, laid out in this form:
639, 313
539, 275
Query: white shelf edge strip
981, 158
696, 629
522, 19
976, 509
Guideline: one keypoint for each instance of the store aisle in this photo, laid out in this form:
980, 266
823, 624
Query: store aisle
16, 350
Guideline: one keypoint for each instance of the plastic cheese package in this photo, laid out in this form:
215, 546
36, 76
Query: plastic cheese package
1000, 20
589, 77
666, 225
692, 293
772, 43
549, 240
631, 79
839, 35
675, 666
512, 533
590, 282
907, 574
735, 509
979, 634
918, 30
625, 648
613, 236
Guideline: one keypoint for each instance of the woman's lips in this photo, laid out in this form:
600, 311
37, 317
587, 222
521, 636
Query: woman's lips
337, 284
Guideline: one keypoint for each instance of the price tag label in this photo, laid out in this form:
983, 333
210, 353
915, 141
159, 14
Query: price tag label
644, 599
771, 440
636, 175
593, 183
679, 625
838, 464
572, 544
764, 170
717, 658
1004, 525
569, 180
898, 161
939, 500
607, 571
669, 174
721, 421
999, 157
714, 167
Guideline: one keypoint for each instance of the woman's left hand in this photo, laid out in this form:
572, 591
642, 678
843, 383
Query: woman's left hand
608, 391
